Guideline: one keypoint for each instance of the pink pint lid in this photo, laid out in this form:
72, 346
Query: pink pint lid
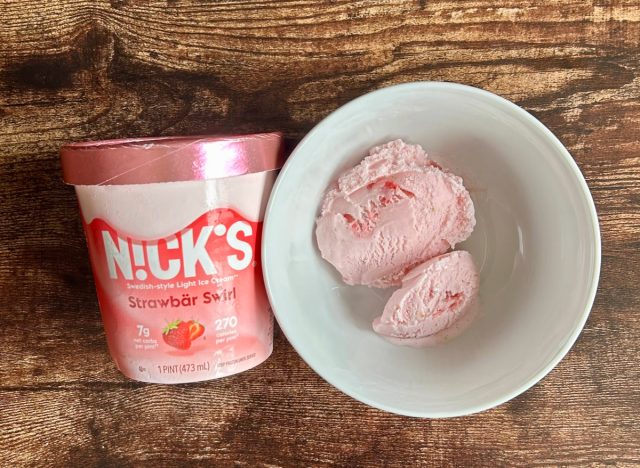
169, 159
173, 227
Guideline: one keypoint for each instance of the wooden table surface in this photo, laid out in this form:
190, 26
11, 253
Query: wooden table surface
93, 69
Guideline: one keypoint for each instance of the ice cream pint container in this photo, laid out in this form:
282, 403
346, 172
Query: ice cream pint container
173, 228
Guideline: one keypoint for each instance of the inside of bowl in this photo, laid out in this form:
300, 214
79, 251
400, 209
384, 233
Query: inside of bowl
535, 243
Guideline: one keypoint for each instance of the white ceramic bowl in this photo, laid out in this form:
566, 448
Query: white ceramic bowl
536, 241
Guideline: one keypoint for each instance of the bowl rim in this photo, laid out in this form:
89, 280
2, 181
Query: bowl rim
586, 195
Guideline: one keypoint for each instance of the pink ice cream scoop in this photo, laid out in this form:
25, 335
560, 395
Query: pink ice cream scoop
436, 301
391, 212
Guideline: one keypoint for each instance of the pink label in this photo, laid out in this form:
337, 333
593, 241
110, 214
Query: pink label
187, 307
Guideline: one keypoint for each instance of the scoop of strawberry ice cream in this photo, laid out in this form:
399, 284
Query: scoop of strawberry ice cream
436, 297
394, 210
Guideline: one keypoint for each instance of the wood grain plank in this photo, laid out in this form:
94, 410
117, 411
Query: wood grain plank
247, 416
95, 69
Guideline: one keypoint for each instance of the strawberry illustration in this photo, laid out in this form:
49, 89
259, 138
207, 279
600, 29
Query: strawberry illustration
177, 334
196, 329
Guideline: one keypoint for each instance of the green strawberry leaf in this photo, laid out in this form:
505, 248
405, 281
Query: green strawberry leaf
171, 326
